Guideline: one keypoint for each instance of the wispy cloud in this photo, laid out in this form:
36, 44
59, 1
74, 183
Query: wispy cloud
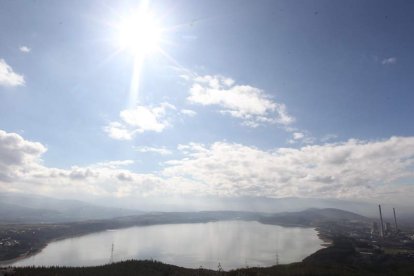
114, 164
388, 61
157, 150
118, 131
298, 135
188, 112
8, 77
24, 49
247, 103
329, 137
138, 120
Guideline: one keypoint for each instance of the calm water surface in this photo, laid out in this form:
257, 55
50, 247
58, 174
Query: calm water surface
232, 243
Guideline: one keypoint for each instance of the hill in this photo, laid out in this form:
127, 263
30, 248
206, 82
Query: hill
26, 208
311, 217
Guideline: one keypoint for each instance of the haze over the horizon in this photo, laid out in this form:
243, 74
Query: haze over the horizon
214, 99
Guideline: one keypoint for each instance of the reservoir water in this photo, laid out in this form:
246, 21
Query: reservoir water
233, 244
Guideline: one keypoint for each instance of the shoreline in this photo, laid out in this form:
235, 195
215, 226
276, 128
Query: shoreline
40, 249
327, 241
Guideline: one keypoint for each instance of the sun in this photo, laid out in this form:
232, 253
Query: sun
139, 33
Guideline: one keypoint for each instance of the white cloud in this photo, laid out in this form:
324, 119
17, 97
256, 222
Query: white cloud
21, 169
390, 60
114, 164
329, 137
8, 77
118, 131
138, 120
369, 170
298, 135
17, 155
161, 151
353, 169
191, 147
245, 102
144, 119
188, 112
24, 49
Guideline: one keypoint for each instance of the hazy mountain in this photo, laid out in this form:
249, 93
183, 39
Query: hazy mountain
253, 204
25, 208
13, 213
312, 216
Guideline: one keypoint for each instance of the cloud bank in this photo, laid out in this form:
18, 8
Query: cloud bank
366, 170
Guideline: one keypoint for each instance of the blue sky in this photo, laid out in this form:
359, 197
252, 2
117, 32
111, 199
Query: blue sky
255, 78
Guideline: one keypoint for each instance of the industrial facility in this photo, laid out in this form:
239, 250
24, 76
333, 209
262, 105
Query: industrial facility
374, 236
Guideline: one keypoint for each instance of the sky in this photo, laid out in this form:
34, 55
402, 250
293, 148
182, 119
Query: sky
152, 100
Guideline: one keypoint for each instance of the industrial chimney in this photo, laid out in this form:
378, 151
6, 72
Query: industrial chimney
395, 220
382, 222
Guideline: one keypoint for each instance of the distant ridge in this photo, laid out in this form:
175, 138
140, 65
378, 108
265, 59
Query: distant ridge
312, 216
25, 208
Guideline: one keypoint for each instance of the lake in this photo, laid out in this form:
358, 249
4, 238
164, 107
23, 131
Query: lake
233, 244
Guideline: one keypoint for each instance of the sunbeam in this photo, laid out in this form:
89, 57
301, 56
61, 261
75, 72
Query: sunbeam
138, 34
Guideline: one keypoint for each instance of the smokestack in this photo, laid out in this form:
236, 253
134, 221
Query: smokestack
382, 222
395, 220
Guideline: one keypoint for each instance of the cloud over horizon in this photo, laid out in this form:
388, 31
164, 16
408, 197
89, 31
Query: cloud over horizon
354, 169
344, 170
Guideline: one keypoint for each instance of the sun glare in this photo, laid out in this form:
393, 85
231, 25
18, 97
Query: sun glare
139, 34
